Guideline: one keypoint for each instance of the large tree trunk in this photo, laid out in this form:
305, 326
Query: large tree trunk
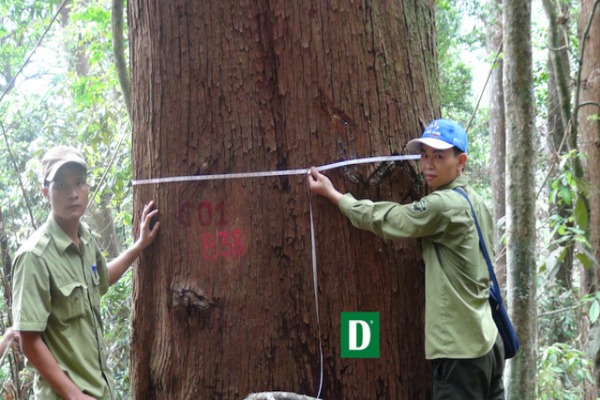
520, 204
588, 122
223, 301
589, 134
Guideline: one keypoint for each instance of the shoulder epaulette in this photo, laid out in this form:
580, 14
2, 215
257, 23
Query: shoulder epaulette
37, 242
41, 245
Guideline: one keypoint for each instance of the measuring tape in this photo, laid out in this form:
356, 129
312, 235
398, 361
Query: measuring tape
288, 172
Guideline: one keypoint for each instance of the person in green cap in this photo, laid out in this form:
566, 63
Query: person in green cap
59, 276
461, 338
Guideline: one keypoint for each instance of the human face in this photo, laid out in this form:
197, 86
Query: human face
440, 167
68, 193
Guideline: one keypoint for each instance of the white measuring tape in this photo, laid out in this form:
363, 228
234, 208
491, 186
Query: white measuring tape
300, 171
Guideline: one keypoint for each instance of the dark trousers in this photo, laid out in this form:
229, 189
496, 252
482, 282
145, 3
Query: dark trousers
470, 379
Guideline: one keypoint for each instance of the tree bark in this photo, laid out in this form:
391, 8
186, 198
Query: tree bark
588, 121
558, 126
278, 396
589, 137
223, 301
497, 128
520, 194
119, 52
558, 64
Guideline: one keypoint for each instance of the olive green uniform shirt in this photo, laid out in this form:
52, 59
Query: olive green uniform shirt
56, 291
458, 319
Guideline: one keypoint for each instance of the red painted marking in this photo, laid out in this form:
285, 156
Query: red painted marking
223, 244
205, 213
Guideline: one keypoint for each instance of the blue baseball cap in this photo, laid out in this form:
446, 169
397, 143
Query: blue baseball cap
441, 134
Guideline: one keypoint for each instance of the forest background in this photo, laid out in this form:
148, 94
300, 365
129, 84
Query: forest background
69, 92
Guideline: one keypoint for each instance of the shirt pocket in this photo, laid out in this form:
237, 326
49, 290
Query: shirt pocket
70, 303
95, 287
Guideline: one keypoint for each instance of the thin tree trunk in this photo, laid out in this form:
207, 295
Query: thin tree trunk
558, 125
119, 52
223, 301
100, 218
558, 49
520, 203
497, 140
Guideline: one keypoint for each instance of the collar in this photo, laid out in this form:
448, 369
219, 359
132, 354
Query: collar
461, 181
61, 239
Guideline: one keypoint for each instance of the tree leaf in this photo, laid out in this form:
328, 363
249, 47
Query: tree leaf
584, 260
581, 213
565, 193
594, 311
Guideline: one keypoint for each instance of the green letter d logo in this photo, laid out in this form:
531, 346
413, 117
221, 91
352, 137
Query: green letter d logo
360, 334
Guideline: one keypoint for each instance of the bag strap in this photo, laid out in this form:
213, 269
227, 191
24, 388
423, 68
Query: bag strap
481, 243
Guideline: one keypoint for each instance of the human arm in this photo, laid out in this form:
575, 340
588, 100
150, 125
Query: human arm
321, 185
118, 266
6, 340
388, 220
364, 214
426, 217
42, 359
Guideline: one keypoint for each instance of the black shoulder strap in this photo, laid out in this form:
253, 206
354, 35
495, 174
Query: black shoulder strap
481, 242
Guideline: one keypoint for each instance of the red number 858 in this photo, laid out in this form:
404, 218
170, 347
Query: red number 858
222, 244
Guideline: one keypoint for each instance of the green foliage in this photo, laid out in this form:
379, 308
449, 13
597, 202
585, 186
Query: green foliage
455, 75
567, 191
566, 235
116, 311
563, 320
478, 167
594, 307
456, 81
562, 372
22, 23
563, 369
68, 94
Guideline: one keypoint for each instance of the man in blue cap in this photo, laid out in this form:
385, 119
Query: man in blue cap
461, 338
